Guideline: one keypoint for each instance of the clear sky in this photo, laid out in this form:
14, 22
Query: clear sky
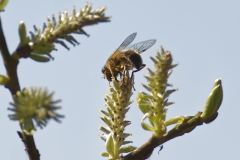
203, 36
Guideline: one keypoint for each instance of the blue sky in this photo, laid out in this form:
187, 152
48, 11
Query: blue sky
203, 37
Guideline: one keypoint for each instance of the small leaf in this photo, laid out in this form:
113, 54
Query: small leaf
39, 58
174, 120
148, 127
213, 102
110, 145
4, 80
104, 154
127, 149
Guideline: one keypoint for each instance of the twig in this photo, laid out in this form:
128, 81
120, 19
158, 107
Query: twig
14, 86
147, 148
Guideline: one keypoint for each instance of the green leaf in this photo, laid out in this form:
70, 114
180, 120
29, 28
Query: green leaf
148, 127
104, 154
39, 58
110, 145
4, 80
174, 120
127, 149
213, 102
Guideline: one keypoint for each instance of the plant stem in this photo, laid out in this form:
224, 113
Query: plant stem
14, 86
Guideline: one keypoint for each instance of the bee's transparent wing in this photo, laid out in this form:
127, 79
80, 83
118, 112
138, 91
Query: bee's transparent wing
127, 41
141, 46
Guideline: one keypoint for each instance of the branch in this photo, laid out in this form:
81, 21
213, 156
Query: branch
42, 41
14, 86
3, 46
147, 148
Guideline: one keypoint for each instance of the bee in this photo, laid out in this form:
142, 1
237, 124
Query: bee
126, 57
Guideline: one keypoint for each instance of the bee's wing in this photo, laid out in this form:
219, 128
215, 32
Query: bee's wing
142, 46
127, 41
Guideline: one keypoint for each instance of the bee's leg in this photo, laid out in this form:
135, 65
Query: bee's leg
143, 65
132, 82
113, 76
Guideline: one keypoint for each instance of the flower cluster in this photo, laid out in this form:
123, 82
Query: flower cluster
117, 105
34, 104
42, 41
153, 105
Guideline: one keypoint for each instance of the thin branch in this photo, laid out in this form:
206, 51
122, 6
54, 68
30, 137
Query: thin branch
3, 46
147, 148
14, 86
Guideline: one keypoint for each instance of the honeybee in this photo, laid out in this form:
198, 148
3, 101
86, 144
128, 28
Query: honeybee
126, 57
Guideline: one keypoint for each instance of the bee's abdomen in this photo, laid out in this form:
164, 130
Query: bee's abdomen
136, 60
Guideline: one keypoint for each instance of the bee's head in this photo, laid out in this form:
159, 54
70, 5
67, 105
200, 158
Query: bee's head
104, 69
106, 73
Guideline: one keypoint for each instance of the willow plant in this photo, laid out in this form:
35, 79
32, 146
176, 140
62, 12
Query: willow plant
33, 107
153, 105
